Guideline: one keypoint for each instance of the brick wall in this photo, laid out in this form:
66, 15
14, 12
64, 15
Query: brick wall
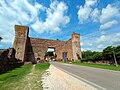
76, 46
30, 49
8, 60
40, 46
21, 35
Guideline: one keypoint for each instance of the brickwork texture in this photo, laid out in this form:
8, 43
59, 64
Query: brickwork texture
30, 49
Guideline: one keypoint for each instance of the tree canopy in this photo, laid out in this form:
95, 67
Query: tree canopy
89, 55
106, 54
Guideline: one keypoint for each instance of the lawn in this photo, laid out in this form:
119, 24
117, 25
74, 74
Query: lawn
26, 77
110, 67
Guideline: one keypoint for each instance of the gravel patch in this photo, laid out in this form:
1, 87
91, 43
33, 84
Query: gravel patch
56, 79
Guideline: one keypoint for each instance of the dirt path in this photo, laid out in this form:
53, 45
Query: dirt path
31, 81
53, 79
56, 79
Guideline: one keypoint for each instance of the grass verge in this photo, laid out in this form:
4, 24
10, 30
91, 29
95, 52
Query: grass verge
26, 77
15, 74
109, 67
42, 67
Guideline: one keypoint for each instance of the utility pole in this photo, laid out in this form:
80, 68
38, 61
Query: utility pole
116, 64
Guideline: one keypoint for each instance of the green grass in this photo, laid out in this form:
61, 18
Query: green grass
17, 79
43, 66
17, 73
13, 76
110, 67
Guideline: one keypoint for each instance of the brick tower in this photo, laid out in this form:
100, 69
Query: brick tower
76, 46
21, 35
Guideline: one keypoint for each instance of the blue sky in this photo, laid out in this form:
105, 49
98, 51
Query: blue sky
97, 21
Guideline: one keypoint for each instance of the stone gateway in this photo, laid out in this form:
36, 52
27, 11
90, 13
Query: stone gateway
32, 49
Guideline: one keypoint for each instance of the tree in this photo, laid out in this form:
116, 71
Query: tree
87, 55
97, 56
49, 54
108, 53
117, 52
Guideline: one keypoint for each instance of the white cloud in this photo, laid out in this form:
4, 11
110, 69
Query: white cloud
116, 41
90, 2
16, 12
99, 42
108, 24
23, 12
82, 49
108, 13
38, 26
102, 39
84, 12
107, 40
109, 16
55, 18
95, 15
81, 43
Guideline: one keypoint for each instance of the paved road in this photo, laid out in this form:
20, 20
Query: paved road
99, 78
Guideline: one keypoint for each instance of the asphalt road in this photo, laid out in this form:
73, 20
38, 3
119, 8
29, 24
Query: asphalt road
100, 78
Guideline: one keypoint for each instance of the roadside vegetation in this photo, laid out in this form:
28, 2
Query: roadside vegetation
107, 55
104, 59
103, 66
26, 77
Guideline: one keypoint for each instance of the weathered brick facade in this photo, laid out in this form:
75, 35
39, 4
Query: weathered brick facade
20, 41
30, 49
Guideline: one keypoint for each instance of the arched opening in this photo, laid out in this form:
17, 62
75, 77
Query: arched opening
50, 54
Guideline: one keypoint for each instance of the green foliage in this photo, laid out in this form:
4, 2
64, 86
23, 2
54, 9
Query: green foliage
49, 54
117, 52
97, 56
89, 55
108, 53
110, 67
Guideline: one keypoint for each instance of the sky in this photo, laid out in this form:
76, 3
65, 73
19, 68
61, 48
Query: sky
97, 21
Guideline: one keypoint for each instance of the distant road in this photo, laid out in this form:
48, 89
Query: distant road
99, 78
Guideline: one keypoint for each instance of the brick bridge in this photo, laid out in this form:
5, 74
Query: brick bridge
30, 49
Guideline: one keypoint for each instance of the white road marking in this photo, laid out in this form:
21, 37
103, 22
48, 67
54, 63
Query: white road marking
91, 83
